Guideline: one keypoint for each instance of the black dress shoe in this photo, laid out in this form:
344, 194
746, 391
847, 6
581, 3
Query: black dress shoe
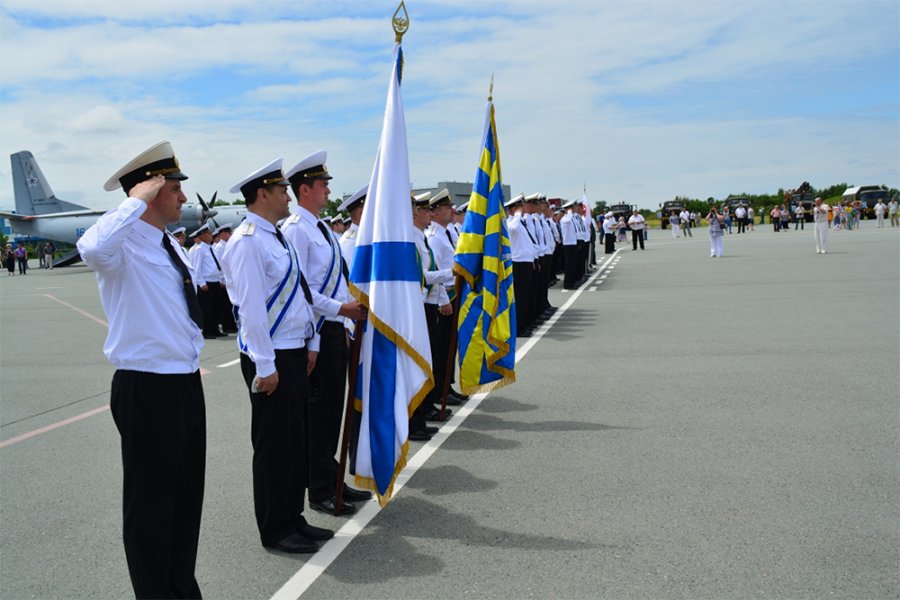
311, 532
429, 429
355, 495
327, 506
435, 415
294, 544
456, 394
419, 436
453, 400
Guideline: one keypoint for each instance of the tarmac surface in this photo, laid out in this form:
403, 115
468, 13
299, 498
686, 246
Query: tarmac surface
684, 427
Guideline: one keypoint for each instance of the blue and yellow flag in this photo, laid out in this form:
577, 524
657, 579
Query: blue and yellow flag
487, 307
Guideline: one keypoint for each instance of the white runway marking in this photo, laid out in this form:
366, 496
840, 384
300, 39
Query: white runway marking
229, 364
78, 310
309, 572
593, 289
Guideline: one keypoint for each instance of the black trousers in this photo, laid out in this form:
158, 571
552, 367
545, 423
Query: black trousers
278, 431
226, 312
439, 330
162, 423
609, 243
637, 237
592, 259
209, 306
523, 281
547, 277
328, 383
570, 276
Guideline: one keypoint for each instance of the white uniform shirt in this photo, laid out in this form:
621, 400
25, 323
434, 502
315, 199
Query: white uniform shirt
255, 263
205, 267
454, 229
435, 279
441, 246
553, 231
636, 222
320, 257
820, 213
568, 228
521, 247
348, 244
141, 290
584, 234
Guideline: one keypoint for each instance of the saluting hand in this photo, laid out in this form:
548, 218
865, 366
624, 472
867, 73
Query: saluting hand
147, 190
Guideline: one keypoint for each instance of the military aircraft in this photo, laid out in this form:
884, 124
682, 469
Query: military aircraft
40, 214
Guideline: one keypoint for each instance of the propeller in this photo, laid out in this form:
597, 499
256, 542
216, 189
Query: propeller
208, 211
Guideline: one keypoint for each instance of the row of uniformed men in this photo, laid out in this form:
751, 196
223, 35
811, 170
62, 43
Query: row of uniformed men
544, 242
289, 287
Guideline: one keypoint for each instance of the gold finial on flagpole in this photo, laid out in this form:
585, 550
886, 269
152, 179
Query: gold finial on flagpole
400, 21
491, 89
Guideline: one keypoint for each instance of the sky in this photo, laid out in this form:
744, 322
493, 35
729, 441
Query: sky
631, 101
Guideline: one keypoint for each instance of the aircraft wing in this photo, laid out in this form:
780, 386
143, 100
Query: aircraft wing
71, 213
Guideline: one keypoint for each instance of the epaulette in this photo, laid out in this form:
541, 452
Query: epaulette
248, 227
352, 234
294, 218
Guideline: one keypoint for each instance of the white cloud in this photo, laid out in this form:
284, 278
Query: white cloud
611, 94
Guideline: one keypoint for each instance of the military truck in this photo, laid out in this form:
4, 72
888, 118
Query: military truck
807, 201
666, 209
802, 196
621, 210
868, 196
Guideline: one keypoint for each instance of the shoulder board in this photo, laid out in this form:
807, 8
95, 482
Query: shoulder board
248, 227
294, 218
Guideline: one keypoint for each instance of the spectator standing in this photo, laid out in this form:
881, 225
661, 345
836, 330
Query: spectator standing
820, 217
879, 213
22, 258
675, 222
9, 256
637, 224
716, 233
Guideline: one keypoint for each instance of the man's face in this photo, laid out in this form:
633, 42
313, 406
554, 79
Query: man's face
317, 194
169, 200
276, 201
205, 237
422, 217
442, 215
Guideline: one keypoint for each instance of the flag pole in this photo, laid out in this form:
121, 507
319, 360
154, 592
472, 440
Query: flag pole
348, 414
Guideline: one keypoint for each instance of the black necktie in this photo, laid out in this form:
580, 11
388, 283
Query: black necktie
218, 266
450, 238
329, 239
190, 293
303, 283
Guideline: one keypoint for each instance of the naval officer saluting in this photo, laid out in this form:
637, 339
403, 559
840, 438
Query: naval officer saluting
156, 399
278, 346
326, 270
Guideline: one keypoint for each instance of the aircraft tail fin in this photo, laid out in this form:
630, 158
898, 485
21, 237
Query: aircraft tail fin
32, 192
